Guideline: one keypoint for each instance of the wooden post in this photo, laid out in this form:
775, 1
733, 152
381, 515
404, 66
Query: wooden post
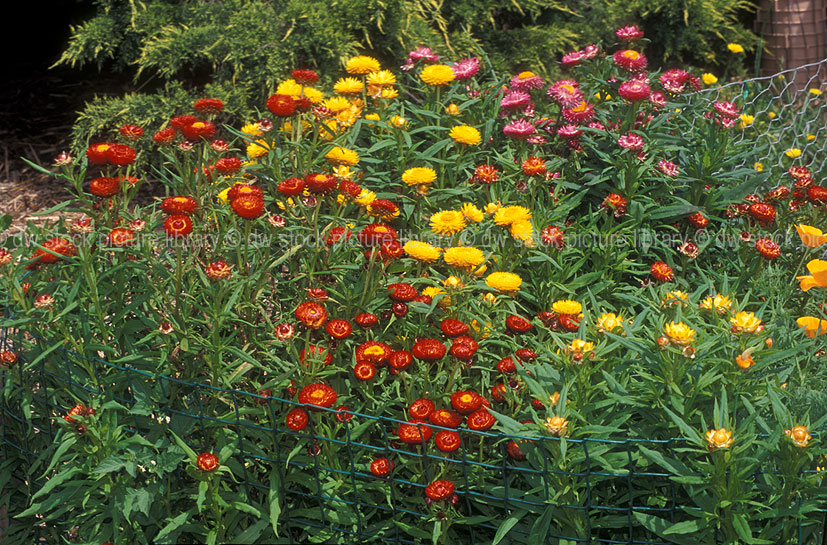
794, 34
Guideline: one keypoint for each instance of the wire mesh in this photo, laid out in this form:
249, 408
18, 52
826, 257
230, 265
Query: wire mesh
788, 111
565, 491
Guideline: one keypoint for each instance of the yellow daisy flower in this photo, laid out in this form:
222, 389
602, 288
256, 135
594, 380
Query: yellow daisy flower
447, 222
464, 257
362, 65
419, 176
349, 86
472, 213
422, 251
437, 75
342, 156
463, 134
504, 281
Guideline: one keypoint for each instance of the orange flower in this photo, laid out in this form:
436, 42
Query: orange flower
812, 325
799, 435
810, 236
744, 360
721, 438
817, 277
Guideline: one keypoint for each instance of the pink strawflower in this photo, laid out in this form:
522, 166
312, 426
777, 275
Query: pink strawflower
519, 129
573, 58
569, 131
629, 33
537, 139
466, 68
590, 51
525, 82
630, 141
675, 80
630, 60
580, 114
657, 99
424, 54
566, 93
596, 125
634, 90
514, 100
668, 167
726, 109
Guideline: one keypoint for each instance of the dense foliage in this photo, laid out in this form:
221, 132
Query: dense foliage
325, 328
237, 49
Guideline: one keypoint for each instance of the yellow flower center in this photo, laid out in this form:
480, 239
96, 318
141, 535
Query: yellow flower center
579, 108
199, 125
629, 54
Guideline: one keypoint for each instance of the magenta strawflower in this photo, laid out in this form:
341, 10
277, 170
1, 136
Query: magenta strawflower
657, 99
668, 167
566, 93
631, 141
727, 109
675, 80
630, 60
569, 131
466, 68
590, 51
519, 129
514, 100
572, 59
581, 114
634, 90
526, 81
629, 34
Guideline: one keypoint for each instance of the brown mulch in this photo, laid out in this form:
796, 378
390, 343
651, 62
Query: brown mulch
37, 109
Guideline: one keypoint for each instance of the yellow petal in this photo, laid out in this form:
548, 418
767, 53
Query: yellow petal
818, 269
807, 282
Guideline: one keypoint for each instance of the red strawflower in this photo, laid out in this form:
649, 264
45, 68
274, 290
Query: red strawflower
241, 189
698, 220
816, 193
336, 235
498, 392
349, 189
402, 292
248, 206
762, 212
121, 237
526, 354
517, 324
428, 350
131, 132
311, 314
281, 105
445, 418
364, 370
291, 187
339, 329
383, 210
390, 250
439, 490
466, 402
179, 205
199, 130
343, 414
304, 77
8, 358
616, 203
315, 353
104, 187
453, 328
507, 366
400, 360
57, 245
778, 194
208, 106
768, 248
120, 154
552, 236
297, 419
415, 432
181, 121
481, 420
421, 409
219, 270
320, 183
228, 165
464, 348
375, 352
318, 394
662, 272
447, 440
207, 461
376, 234
96, 153
284, 331
366, 320
77, 410
800, 172
534, 166
381, 467
486, 174
400, 310
164, 136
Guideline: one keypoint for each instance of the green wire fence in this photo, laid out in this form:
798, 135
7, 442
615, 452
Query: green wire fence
615, 486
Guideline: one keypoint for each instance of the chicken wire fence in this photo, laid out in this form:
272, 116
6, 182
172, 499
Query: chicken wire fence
783, 112
564, 492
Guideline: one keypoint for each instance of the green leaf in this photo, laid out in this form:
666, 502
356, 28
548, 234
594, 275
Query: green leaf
506, 526
56, 481
65, 445
173, 525
686, 527
275, 501
190, 453
739, 522
111, 463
